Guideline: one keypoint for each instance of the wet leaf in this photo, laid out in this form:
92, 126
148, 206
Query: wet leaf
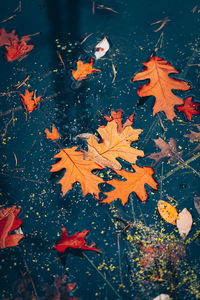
167, 150
184, 222
101, 48
162, 297
167, 212
197, 204
77, 169
8, 223
189, 108
76, 241
116, 141
84, 69
18, 49
6, 38
194, 137
54, 135
161, 86
27, 100
134, 183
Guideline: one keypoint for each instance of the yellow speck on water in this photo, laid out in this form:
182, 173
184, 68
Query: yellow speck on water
96, 294
69, 50
31, 208
129, 238
102, 231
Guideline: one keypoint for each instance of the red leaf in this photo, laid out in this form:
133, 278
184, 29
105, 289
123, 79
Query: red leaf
18, 50
8, 223
76, 241
28, 101
6, 38
54, 135
189, 108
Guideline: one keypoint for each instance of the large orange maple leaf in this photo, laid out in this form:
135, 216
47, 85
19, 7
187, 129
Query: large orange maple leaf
161, 86
77, 169
114, 144
134, 183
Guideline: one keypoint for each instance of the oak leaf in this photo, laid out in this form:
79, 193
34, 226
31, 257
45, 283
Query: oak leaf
8, 223
184, 222
161, 86
134, 183
76, 241
197, 204
6, 38
117, 116
54, 135
167, 150
115, 143
77, 169
167, 212
84, 69
17, 50
189, 108
28, 101
194, 137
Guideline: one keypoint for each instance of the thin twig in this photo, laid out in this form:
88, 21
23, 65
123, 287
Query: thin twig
22, 178
104, 278
181, 166
83, 41
6, 127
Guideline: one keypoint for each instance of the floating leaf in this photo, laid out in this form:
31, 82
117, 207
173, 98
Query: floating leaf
184, 222
161, 86
54, 135
167, 212
101, 48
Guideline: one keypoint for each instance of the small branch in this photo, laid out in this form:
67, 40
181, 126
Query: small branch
104, 278
181, 166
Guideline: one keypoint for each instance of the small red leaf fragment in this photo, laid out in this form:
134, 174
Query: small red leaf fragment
6, 38
76, 241
189, 108
54, 135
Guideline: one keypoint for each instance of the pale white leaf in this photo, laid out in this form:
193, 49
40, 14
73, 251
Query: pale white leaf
184, 222
101, 48
162, 297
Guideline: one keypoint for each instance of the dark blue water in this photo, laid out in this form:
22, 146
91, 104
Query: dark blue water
27, 156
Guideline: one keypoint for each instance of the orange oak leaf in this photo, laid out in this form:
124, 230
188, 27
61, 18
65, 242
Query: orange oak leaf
161, 86
28, 101
77, 169
167, 212
6, 38
8, 223
189, 108
54, 135
76, 241
134, 183
84, 69
114, 144
117, 116
167, 150
18, 49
